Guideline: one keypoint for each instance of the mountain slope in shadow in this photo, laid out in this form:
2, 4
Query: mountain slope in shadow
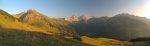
121, 26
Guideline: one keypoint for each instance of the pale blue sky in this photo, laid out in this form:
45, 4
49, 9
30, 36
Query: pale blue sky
63, 8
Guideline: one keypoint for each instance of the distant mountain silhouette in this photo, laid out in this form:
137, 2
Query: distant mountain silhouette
122, 26
83, 18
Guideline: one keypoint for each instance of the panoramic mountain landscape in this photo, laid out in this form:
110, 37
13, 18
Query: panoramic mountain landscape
31, 28
74, 23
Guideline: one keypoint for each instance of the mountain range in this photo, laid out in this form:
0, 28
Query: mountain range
122, 26
32, 28
53, 26
17, 32
73, 19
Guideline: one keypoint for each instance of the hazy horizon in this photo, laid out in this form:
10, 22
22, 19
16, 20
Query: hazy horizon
64, 8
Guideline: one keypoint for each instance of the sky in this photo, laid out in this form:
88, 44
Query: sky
64, 8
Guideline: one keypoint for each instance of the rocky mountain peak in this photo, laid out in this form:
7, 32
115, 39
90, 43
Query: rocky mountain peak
31, 11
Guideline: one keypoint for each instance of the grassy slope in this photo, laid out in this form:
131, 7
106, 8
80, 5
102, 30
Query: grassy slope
51, 25
13, 37
15, 33
104, 42
8, 21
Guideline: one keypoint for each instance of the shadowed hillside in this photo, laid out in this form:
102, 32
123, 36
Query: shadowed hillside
121, 26
141, 41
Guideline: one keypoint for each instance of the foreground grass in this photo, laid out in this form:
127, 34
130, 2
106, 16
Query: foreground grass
13, 37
